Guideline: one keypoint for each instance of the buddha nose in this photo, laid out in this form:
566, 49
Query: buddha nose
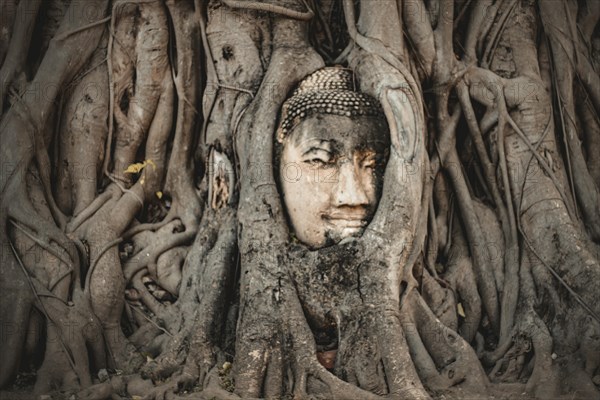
350, 190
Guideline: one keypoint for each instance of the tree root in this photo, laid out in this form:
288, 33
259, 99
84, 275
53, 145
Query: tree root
15, 314
104, 390
252, 5
173, 358
388, 322
483, 270
20, 128
460, 276
437, 348
544, 378
91, 209
163, 241
9, 10
44, 232
67, 363
440, 299
82, 131
179, 179
150, 66
170, 361
21, 36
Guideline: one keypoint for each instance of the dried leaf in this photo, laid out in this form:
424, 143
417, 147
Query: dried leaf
459, 309
136, 168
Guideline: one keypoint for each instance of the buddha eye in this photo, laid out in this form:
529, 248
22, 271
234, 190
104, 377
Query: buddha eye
318, 158
316, 162
320, 163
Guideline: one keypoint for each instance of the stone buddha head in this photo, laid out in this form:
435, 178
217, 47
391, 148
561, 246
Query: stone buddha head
332, 147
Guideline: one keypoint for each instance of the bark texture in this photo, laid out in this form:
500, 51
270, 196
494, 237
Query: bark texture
146, 251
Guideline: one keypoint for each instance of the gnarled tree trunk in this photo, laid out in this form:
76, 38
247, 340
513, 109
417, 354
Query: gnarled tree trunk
145, 245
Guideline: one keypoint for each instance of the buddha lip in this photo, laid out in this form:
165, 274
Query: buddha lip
345, 219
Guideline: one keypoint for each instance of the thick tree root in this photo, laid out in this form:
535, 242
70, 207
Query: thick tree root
435, 347
367, 318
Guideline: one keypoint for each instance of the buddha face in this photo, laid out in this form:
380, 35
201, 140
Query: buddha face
331, 172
